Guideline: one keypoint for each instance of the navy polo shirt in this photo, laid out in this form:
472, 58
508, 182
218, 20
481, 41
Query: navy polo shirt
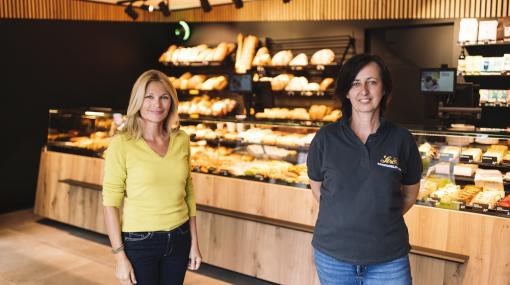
360, 215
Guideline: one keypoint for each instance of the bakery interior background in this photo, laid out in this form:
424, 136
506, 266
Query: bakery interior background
66, 63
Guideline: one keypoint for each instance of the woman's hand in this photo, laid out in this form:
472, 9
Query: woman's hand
195, 258
124, 271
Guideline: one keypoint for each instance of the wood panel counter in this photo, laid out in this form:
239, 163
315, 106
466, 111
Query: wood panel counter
264, 230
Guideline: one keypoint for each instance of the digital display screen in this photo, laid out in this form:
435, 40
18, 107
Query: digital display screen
437, 80
240, 83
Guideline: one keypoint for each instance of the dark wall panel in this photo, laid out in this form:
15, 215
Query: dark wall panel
62, 64
406, 50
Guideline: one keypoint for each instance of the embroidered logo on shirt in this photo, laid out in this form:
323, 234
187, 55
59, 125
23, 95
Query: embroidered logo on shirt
390, 162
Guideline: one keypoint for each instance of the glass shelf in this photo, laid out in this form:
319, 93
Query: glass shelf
285, 123
476, 133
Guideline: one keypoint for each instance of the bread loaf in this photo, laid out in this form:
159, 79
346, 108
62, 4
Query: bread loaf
186, 75
220, 52
262, 57
323, 57
247, 54
240, 41
297, 84
300, 60
167, 55
325, 83
195, 81
282, 58
280, 82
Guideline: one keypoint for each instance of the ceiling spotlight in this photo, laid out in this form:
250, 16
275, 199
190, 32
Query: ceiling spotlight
146, 7
238, 3
205, 5
131, 12
163, 7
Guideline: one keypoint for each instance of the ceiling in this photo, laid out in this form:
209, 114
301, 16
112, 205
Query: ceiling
174, 4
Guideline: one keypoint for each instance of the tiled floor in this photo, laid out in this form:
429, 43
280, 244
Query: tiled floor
38, 251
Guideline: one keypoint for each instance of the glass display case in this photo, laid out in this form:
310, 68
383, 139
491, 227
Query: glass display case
465, 168
82, 131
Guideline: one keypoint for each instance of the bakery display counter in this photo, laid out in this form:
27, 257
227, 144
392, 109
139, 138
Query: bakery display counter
466, 169
252, 189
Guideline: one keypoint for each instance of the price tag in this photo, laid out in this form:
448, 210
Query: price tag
481, 207
445, 156
490, 160
466, 158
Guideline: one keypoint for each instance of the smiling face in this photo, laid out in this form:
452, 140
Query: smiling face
156, 103
367, 90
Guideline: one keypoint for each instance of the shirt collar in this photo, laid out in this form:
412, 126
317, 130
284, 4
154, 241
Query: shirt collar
344, 123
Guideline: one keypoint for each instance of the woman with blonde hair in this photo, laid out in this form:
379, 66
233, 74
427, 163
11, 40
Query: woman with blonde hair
147, 168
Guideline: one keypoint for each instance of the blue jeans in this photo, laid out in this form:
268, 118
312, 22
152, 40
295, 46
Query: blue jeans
159, 258
332, 271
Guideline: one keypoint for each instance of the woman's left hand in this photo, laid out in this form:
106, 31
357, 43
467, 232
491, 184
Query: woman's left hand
195, 258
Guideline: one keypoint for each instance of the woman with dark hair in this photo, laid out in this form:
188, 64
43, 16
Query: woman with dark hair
365, 173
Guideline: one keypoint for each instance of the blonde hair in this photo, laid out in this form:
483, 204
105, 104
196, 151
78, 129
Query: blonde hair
134, 122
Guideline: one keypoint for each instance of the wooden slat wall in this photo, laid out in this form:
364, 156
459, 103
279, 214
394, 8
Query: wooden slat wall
264, 10
71, 10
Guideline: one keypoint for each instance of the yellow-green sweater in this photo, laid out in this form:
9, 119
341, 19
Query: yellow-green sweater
157, 191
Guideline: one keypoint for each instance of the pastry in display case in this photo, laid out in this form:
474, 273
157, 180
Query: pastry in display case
81, 131
471, 169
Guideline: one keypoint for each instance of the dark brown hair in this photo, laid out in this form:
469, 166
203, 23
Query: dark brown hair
348, 73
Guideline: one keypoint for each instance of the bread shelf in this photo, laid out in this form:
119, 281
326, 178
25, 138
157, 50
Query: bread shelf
196, 64
306, 69
328, 94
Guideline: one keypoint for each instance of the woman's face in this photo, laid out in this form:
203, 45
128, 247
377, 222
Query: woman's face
367, 90
156, 103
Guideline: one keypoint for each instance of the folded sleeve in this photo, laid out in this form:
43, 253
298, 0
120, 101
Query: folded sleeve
190, 193
314, 159
413, 163
114, 180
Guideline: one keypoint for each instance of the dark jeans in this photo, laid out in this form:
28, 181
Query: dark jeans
159, 258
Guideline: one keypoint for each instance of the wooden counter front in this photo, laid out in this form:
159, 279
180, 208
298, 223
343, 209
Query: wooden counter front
264, 230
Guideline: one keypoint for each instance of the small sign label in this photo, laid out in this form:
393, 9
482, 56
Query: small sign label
466, 158
489, 159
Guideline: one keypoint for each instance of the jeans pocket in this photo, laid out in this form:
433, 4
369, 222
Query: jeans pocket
137, 236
